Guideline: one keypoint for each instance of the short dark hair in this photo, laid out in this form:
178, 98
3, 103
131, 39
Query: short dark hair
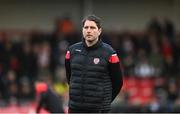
94, 18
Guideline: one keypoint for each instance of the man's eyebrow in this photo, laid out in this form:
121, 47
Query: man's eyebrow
89, 26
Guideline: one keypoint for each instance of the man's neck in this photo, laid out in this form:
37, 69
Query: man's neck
89, 44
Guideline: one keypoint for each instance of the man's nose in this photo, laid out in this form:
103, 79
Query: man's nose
88, 30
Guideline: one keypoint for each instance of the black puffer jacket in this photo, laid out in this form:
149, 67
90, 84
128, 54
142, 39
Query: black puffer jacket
94, 76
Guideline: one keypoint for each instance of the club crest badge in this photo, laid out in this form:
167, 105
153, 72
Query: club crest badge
96, 60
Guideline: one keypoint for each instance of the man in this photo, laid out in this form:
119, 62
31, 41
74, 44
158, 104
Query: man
48, 99
93, 71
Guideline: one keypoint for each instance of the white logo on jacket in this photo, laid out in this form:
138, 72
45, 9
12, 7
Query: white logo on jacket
78, 50
96, 60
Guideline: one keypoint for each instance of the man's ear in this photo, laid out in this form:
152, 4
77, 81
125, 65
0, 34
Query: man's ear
100, 30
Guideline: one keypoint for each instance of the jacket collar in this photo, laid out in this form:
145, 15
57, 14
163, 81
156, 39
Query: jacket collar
98, 44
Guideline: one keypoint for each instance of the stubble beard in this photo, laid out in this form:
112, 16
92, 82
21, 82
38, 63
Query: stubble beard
91, 42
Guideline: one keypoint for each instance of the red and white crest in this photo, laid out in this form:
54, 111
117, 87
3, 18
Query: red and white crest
96, 60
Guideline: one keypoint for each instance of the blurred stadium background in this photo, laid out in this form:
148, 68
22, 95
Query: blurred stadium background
34, 35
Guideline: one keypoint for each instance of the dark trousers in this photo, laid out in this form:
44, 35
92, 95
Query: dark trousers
87, 111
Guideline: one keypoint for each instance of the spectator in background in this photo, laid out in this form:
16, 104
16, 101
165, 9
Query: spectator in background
155, 56
11, 85
143, 68
176, 54
26, 90
28, 62
167, 53
169, 29
172, 94
155, 26
128, 53
64, 34
65, 30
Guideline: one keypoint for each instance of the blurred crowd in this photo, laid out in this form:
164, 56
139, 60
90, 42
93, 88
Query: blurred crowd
27, 57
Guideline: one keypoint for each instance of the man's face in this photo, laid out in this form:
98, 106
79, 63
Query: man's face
90, 31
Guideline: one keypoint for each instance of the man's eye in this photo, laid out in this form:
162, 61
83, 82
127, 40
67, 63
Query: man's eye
92, 27
86, 27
